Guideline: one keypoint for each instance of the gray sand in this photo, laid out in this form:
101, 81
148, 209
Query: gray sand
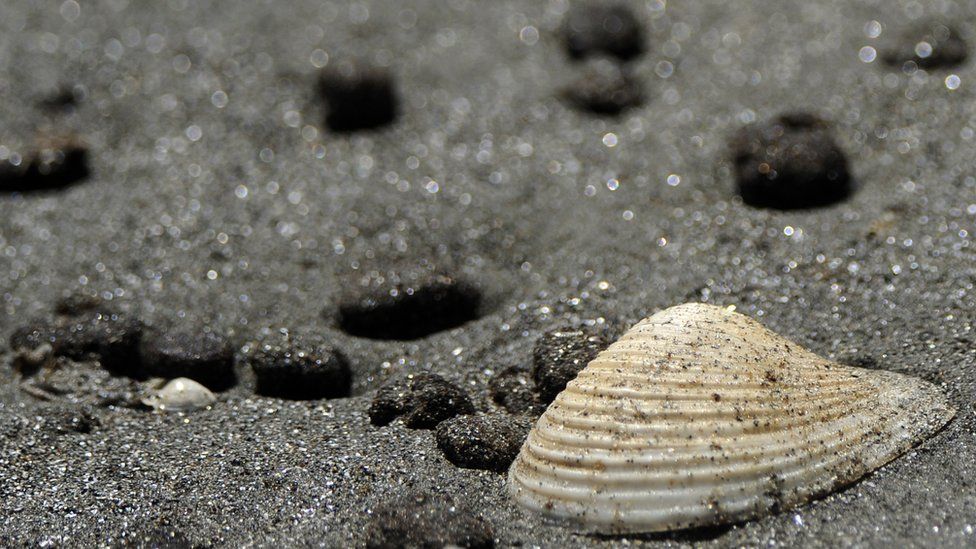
488, 174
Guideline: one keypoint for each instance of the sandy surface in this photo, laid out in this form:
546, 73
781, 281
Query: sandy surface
217, 197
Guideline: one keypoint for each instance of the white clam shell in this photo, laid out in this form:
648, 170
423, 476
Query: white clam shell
180, 395
699, 416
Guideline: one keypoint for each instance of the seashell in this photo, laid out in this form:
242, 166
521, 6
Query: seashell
180, 395
700, 416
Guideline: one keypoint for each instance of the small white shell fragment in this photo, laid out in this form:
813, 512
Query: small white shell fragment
700, 416
180, 395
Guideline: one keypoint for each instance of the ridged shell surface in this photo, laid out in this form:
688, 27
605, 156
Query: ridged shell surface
699, 416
